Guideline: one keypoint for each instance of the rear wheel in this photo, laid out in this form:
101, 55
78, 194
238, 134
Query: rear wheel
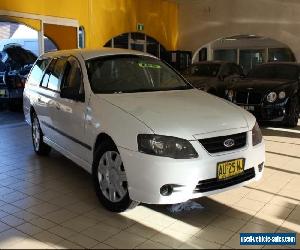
110, 179
292, 113
39, 146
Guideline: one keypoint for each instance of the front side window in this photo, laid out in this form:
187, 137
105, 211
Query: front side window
73, 75
236, 70
46, 76
210, 70
129, 73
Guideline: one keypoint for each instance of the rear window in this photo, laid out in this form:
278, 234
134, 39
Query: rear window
37, 72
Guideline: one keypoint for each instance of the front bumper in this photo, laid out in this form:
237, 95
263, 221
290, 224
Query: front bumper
267, 112
147, 174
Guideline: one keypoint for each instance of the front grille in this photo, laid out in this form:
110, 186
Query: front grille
245, 97
216, 144
215, 184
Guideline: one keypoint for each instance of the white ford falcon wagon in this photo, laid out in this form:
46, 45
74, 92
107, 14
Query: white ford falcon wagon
143, 132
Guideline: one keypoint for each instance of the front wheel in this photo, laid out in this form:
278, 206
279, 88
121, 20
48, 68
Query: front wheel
39, 146
110, 179
292, 113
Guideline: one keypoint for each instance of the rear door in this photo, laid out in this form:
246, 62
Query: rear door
43, 101
32, 87
70, 115
51, 94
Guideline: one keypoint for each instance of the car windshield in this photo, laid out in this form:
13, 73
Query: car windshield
130, 73
275, 71
211, 69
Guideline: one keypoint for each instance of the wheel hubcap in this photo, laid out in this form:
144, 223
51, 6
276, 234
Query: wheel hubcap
112, 177
36, 134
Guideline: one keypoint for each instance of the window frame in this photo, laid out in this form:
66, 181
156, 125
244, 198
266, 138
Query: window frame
43, 71
55, 59
60, 77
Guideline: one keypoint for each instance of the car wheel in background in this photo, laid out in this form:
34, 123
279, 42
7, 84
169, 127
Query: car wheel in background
292, 113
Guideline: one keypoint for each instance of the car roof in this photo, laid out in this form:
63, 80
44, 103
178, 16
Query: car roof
87, 54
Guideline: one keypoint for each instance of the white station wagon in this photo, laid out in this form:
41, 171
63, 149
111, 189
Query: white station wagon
143, 132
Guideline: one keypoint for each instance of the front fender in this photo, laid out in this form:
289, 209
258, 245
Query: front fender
122, 127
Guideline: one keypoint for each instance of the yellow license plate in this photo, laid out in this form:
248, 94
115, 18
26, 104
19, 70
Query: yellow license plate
228, 169
2, 92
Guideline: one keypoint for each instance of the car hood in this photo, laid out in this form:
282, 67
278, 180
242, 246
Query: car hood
201, 81
20, 55
182, 114
259, 85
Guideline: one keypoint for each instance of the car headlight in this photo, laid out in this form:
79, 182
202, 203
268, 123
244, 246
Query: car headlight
271, 97
166, 146
281, 95
256, 135
230, 94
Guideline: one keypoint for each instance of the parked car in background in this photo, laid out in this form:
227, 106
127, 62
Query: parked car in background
213, 76
271, 92
142, 131
15, 64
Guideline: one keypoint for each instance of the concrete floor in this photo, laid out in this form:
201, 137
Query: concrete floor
50, 202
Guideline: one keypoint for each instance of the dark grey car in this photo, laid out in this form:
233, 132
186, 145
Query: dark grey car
15, 64
213, 76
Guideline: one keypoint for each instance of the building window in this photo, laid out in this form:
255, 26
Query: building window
281, 55
81, 37
251, 57
137, 41
229, 55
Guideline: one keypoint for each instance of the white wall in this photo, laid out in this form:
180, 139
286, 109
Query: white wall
203, 21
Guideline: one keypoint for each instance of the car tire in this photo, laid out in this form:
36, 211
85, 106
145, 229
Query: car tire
110, 179
39, 146
292, 115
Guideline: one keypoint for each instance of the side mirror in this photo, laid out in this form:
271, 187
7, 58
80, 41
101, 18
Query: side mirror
72, 94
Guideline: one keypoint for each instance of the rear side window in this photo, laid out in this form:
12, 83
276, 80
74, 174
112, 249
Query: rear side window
37, 72
48, 73
56, 74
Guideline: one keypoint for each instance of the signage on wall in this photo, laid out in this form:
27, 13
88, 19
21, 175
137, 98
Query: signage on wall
140, 27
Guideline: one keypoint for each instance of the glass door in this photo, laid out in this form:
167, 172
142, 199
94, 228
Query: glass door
137, 41
251, 57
